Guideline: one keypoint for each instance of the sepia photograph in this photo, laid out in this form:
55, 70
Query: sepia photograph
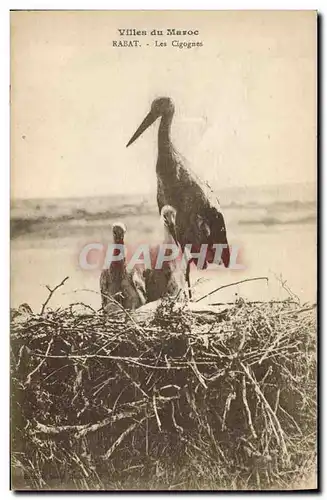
163, 248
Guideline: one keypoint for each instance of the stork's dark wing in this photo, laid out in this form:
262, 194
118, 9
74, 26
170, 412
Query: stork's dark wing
208, 192
218, 233
215, 219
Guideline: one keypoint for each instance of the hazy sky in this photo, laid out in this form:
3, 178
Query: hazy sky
245, 101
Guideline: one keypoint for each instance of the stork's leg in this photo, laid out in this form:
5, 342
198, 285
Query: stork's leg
187, 275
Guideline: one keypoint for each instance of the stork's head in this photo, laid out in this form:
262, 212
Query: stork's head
168, 217
118, 231
160, 107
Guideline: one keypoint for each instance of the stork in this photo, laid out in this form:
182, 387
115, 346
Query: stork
199, 218
117, 282
169, 279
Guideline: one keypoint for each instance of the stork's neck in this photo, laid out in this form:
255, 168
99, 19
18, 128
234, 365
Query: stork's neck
118, 265
168, 237
164, 139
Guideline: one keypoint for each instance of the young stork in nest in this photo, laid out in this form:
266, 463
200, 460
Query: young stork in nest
167, 277
117, 282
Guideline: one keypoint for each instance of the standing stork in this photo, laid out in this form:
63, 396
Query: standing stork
117, 282
169, 279
199, 218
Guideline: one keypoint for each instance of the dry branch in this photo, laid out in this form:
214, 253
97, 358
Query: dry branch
231, 284
52, 291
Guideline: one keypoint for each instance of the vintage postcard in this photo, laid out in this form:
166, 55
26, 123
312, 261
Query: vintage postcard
163, 250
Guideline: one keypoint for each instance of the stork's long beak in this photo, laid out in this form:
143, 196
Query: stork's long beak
172, 229
148, 120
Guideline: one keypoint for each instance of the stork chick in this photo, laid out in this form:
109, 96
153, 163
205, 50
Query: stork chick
124, 286
170, 278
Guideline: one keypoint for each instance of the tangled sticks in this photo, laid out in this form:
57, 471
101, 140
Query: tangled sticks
181, 401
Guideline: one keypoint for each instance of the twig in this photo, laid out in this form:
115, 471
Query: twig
156, 411
87, 306
291, 418
178, 366
247, 408
256, 302
297, 311
29, 376
271, 413
80, 430
277, 401
120, 439
286, 287
231, 284
52, 290
178, 427
231, 396
127, 375
196, 371
271, 346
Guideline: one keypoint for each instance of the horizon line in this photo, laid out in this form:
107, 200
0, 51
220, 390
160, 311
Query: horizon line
153, 192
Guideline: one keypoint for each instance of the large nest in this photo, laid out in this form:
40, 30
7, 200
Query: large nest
182, 400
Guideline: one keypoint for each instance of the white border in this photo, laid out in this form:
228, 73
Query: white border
167, 5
